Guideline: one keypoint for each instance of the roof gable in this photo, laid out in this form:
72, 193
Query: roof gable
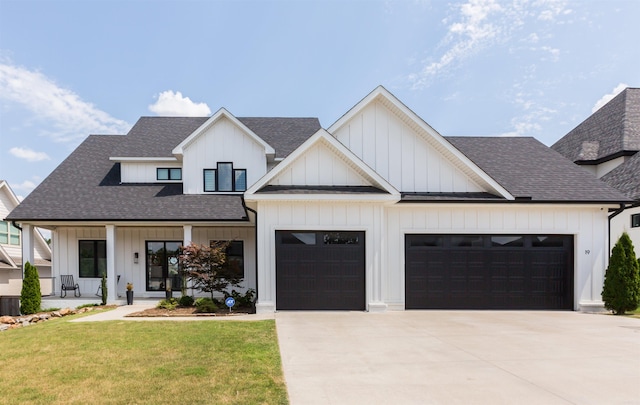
608, 132
322, 161
406, 151
219, 115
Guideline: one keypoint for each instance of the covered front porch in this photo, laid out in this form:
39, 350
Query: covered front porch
145, 255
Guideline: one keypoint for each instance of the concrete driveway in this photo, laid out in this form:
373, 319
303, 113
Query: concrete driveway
459, 357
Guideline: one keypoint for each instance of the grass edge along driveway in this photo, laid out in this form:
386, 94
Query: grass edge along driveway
121, 362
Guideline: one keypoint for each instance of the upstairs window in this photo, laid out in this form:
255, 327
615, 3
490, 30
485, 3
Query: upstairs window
225, 178
169, 174
9, 234
635, 221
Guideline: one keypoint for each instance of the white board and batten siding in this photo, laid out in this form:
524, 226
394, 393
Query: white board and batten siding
587, 224
131, 240
145, 172
222, 142
399, 154
319, 166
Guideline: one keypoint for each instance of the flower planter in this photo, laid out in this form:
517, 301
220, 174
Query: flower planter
129, 297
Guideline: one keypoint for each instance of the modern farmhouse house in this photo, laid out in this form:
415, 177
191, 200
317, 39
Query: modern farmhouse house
377, 212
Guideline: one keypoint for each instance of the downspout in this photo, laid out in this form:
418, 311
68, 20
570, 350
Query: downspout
615, 214
16, 225
255, 213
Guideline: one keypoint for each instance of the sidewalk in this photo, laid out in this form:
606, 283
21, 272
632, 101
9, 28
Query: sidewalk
121, 312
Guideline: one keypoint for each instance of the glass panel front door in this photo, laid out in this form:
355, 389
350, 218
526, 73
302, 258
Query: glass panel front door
163, 266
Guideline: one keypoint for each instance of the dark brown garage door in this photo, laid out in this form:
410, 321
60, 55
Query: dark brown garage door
320, 270
489, 272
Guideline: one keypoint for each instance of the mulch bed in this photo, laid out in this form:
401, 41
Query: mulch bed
187, 311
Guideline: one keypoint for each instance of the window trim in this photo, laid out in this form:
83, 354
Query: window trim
230, 241
95, 257
216, 178
11, 233
169, 170
635, 220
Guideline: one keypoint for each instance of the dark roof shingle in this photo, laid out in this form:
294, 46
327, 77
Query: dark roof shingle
613, 129
529, 169
626, 177
86, 186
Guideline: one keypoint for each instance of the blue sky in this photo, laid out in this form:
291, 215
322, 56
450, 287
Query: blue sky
472, 67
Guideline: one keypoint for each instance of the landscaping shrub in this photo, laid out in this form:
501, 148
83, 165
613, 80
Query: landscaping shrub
186, 301
205, 305
170, 304
244, 300
621, 290
103, 283
30, 296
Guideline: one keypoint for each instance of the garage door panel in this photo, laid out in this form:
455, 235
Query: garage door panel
489, 271
319, 270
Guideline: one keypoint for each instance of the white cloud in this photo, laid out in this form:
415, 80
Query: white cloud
608, 97
467, 35
478, 24
174, 104
28, 154
71, 117
26, 187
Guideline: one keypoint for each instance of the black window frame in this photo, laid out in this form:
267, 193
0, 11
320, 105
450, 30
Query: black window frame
169, 170
635, 220
216, 178
96, 273
228, 251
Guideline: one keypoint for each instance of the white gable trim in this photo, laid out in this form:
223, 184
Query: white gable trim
179, 150
4, 186
5, 257
323, 136
428, 133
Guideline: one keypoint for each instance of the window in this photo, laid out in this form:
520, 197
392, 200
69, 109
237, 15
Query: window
635, 220
163, 266
9, 234
225, 178
169, 174
93, 258
235, 256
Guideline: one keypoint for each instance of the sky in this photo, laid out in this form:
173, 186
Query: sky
535, 68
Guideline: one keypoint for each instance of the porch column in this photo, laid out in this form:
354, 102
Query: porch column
112, 282
27, 245
187, 231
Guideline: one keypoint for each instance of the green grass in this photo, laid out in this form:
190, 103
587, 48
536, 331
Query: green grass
125, 362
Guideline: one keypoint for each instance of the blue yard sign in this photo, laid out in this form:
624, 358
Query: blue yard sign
230, 302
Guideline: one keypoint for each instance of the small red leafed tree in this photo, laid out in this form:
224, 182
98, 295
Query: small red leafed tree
205, 266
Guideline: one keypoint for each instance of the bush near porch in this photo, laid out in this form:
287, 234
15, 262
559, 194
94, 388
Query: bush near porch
142, 362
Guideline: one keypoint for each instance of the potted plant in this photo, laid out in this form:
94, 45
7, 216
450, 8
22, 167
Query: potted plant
129, 294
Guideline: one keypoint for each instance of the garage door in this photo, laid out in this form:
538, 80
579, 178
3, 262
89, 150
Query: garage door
320, 270
489, 272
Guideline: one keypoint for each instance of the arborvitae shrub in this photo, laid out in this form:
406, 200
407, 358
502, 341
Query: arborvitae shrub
104, 289
30, 296
621, 290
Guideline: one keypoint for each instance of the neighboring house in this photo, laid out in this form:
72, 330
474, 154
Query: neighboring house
11, 250
607, 144
379, 211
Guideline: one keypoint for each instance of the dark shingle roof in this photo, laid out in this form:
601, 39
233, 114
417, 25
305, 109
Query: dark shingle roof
626, 177
450, 197
613, 129
284, 134
157, 136
529, 169
86, 186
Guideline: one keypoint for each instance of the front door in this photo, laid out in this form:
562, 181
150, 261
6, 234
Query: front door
162, 266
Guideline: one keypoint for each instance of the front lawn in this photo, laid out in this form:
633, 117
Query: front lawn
124, 362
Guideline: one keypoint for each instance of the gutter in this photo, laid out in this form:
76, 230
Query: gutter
616, 213
255, 213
